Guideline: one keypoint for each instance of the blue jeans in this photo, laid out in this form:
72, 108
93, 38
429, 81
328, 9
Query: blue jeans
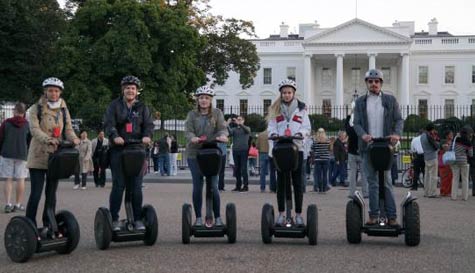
264, 168
119, 183
272, 175
373, 186
164, 162
198, 180
340, 172
331, 170
156, 164
240, 162
221, 172
320, 175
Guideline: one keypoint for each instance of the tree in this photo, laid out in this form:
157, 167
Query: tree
28, 30
107, 40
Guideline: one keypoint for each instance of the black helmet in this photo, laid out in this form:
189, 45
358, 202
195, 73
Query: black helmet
130, 80
374, 74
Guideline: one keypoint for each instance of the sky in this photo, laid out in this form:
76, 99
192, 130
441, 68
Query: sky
455, 16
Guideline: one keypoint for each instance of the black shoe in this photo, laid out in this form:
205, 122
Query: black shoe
236, 189
413, 189
244, 189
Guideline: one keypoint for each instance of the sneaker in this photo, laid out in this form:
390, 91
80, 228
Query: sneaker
299, 220
236, 189
244, 189
76, 187
280, 220
393, 222
9, 208
218, 222
19, 207
83, 188
372, 221
199, 221
115, 226
139, 225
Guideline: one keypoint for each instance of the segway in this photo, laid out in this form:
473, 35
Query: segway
209, 163
286, 158
381, 155
23, 238
132, 156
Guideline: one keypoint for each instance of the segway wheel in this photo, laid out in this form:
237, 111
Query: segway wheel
69, 227
312, 224
267, 223
20, 239
231, 227
354, 222
150, 219
186, 223
412, 236
103, 228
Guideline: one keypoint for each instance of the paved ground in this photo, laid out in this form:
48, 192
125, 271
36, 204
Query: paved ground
448, 238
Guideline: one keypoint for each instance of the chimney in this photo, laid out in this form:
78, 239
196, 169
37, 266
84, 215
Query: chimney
433, 26
284, 30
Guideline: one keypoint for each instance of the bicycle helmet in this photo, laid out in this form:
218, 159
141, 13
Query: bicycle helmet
52, 81
288, 82
130, 80
204, 90
373, 74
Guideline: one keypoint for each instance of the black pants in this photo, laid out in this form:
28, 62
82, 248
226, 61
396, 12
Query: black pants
99, 174
119, 184
37, 178
419, 166
83, 179
282, 186
221, 173
240, 163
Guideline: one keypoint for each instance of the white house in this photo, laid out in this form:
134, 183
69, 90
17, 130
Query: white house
328, 64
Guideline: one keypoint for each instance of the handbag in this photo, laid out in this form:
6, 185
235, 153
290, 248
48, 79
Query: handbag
449, 156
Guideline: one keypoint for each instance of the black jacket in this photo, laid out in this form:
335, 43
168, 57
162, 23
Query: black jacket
352, 137
118, 115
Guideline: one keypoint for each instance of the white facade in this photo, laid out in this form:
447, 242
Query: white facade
330, 64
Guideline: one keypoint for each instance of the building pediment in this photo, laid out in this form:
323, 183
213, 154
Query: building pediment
220, 93
267, 93
357, 31
449, 93
242, 94
422, 94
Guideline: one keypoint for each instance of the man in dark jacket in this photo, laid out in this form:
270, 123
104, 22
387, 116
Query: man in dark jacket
126, 118
14, 134
377, 114
240, 134
341, 155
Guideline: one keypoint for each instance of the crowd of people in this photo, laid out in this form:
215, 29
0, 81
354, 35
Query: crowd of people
26, 143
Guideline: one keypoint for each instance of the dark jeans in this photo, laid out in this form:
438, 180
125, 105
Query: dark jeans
221, 173
320, 175
240, 162
331, 170
472, 175
394, 170
419, 166
264, 169
164, 162
284, 190
272, 175
37, 178
99, 175
119, 183
340, 172
198, 180
83, 179
156, 165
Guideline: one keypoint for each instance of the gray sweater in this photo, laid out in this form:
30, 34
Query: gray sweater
240, 136
197, 125
430, 152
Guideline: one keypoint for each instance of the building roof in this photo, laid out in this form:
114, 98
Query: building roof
424, 34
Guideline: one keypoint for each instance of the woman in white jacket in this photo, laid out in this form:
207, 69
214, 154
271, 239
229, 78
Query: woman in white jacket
288, 115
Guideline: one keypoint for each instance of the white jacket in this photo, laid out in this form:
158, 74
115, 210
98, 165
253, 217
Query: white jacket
299, 123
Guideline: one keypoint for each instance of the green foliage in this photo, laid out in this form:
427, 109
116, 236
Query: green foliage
256, 122
329, 124
28, 29
414, 123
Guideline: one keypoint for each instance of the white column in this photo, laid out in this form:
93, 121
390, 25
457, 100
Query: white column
308, 78
404, 89
339, 79
372, 60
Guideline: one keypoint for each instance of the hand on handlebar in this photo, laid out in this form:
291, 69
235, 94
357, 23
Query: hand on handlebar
394, 138
367, 138
146, 140
195, 140
76, 141
222, 138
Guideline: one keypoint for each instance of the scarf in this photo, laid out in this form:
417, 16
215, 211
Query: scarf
55, 104
288, 110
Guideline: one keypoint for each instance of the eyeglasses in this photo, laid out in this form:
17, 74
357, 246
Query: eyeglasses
374, 81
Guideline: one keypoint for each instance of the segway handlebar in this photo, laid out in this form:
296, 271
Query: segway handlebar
132, 141
276, 138
381, 139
